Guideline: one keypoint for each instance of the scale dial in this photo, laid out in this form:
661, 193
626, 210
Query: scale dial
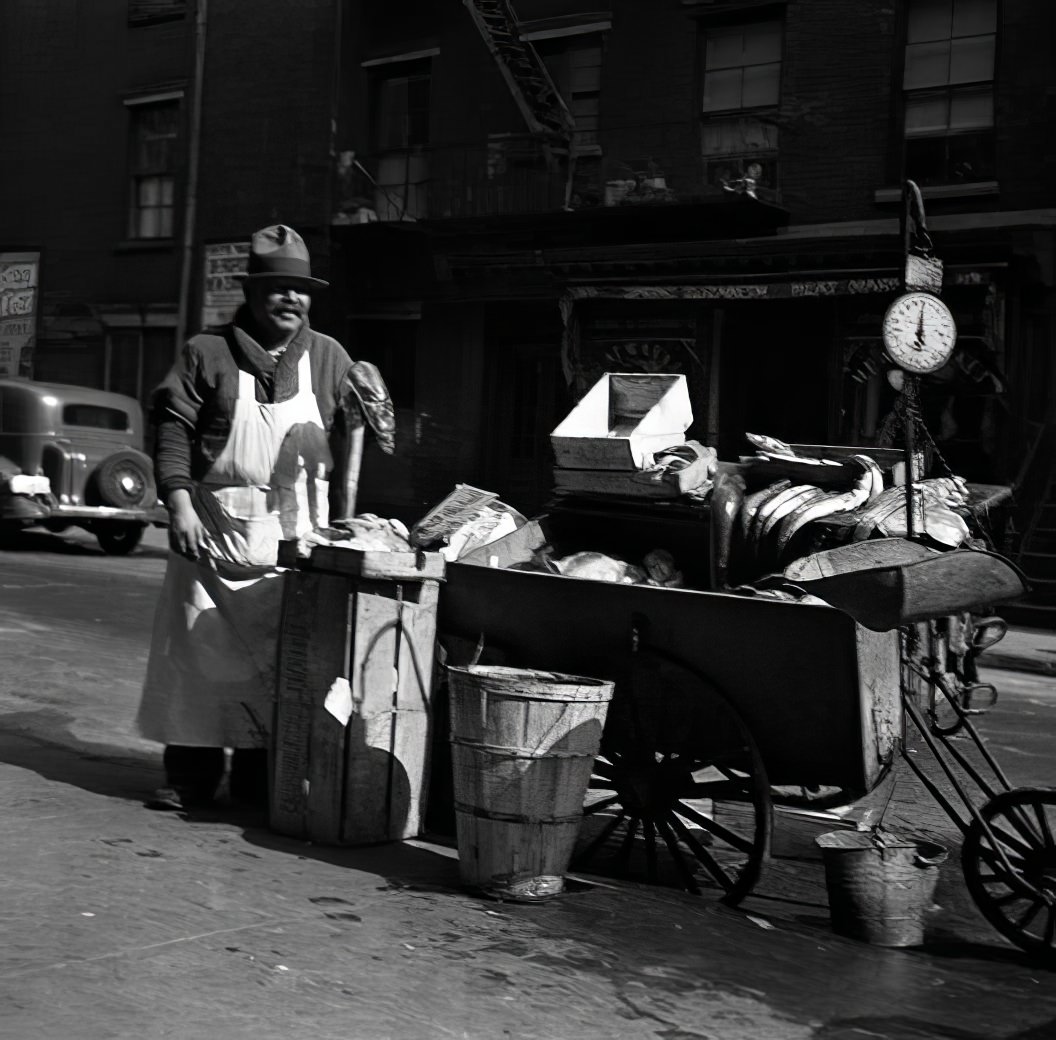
919, 332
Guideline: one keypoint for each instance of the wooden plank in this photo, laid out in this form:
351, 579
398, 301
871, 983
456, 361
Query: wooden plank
361, 563
373, 781
307, 739
413, 729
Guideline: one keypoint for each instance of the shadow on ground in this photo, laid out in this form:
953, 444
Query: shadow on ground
106, 769
68, 543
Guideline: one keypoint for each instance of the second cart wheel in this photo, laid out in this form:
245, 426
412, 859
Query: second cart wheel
679, 794
1011, 873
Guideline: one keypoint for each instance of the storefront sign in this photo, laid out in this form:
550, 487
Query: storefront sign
742, 291
222, 293
19, 284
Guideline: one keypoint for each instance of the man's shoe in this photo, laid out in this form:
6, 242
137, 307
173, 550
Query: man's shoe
170, 799
166, 799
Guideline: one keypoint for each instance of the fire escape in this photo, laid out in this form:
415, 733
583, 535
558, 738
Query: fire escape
538, 100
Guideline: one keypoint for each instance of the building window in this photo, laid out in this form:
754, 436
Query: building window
152, 164
153, 12
741, 81
742, 67
949, 91
574, 64
400, 130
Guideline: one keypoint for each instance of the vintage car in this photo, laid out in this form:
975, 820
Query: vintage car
73, 456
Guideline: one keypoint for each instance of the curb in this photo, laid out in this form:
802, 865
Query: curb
1012, 662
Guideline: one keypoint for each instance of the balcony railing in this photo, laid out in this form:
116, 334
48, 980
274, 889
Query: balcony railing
513, 174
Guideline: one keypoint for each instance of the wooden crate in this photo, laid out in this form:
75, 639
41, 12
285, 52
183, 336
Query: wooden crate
351, 732
622, 420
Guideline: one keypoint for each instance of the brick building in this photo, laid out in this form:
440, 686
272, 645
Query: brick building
507, 208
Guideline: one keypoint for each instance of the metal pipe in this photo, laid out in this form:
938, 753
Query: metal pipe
190, 206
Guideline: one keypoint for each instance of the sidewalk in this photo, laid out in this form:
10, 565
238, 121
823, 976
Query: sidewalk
1023, 650
125, 923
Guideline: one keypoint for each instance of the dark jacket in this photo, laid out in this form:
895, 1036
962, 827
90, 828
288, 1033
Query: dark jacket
193, 406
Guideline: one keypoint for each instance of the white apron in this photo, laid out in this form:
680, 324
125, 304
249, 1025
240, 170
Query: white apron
211, 673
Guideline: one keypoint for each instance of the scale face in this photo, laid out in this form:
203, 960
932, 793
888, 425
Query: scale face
919, 332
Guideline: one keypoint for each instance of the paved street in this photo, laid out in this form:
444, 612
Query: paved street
119, 922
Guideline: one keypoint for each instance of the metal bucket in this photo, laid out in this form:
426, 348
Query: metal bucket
880, 887
523, 745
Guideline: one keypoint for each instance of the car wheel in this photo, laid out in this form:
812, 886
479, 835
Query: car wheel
118, 539
125, 480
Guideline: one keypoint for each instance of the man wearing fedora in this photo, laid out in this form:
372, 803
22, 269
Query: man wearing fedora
250, 421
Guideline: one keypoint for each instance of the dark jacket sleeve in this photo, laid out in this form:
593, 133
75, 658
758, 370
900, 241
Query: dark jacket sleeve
175, 405
179, 393
172, 456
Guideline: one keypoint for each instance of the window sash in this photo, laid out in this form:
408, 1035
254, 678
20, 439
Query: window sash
152, 160
742, 67
401, 111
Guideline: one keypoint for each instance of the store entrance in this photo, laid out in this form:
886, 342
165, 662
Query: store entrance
778, 370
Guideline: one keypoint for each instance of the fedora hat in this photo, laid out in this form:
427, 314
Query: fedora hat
279, 252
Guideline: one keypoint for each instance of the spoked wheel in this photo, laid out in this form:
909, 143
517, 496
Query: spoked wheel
1016, 892
679, 794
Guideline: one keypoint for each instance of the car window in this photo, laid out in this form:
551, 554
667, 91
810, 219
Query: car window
96, 416
17, 414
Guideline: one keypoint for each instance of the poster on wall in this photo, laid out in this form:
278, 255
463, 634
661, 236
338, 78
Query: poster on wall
222, 293
19, 283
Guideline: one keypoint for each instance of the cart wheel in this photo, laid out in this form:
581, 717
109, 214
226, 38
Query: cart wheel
1017, 894
679, 792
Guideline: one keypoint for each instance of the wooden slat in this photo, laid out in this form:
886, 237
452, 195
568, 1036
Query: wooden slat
373, 781
306, 755
360, 563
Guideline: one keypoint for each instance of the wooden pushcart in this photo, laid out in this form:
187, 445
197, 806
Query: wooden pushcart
727, 703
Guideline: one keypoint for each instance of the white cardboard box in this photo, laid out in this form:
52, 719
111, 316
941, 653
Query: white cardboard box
622, 420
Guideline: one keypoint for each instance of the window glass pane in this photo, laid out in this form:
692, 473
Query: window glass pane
585, 112
149, 191
926, 160
722, 90
148, 226
972, 59
927, 65
586, 57
762, 43
738, 136
165, 223
585, 79
418, 111
929, 20
725, 50
94, 415
971, 108
762, 85
391, 114
971, 157
971, 17
928, 114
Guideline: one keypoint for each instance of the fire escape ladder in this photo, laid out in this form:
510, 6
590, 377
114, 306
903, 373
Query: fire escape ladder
526, 75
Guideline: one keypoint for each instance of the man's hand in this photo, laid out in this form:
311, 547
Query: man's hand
187, 534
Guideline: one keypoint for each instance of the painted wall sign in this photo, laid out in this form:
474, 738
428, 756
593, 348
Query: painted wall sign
222, 294
19, 295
